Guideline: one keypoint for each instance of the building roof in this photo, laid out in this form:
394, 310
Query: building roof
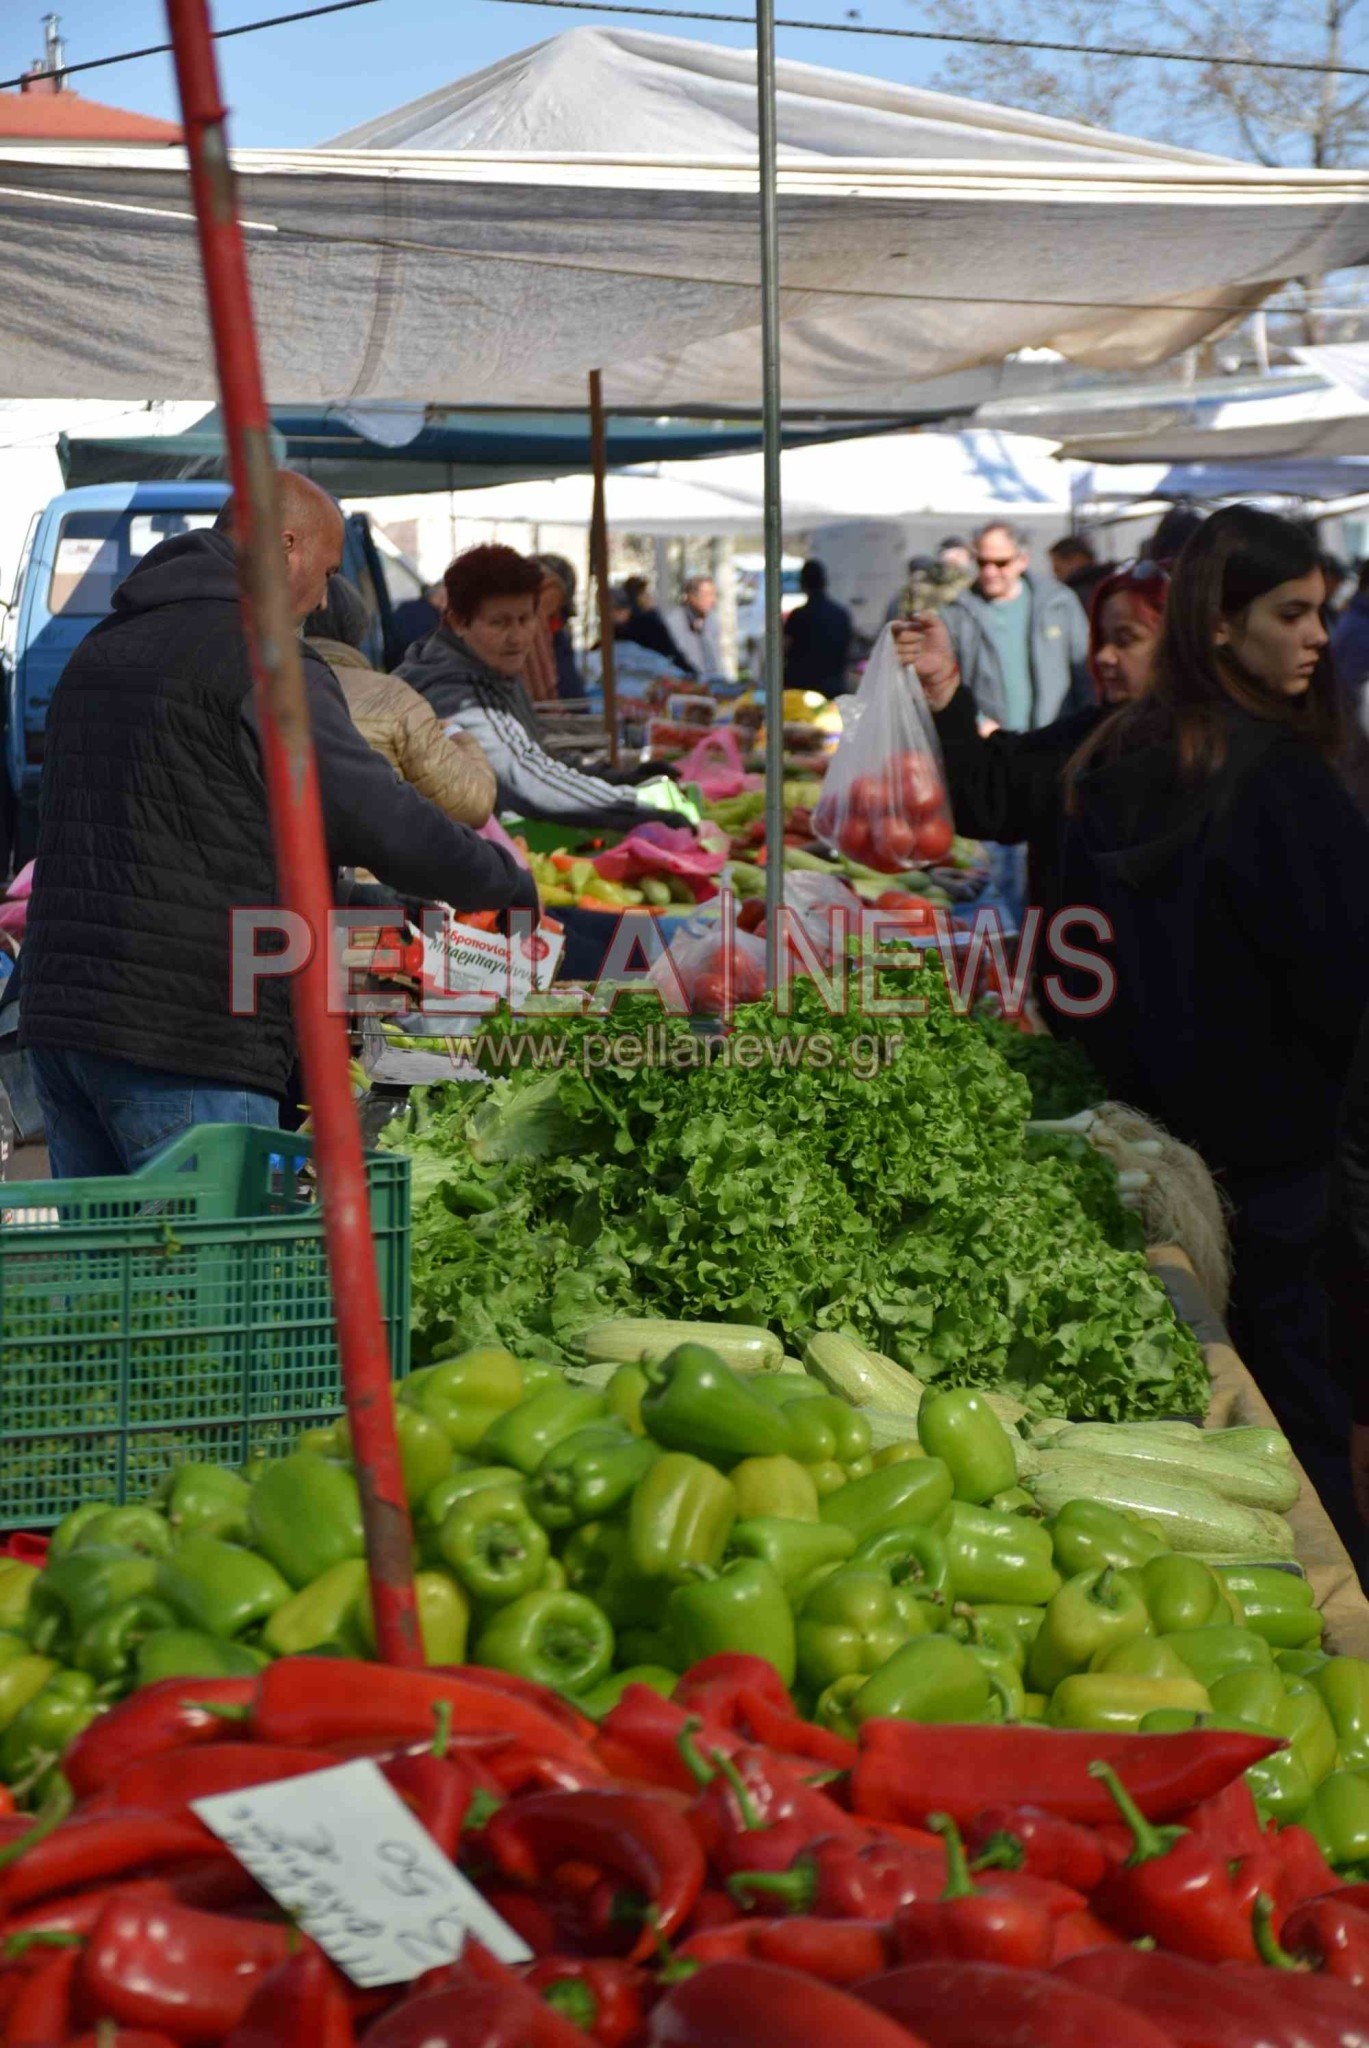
65, 117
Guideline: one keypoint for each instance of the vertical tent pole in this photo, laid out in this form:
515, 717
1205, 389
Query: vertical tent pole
297, 828
598, 554
774, 524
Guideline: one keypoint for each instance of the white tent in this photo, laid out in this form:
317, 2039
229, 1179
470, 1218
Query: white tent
1295, 418
601, 211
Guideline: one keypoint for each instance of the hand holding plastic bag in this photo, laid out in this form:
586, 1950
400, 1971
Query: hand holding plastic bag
884, 801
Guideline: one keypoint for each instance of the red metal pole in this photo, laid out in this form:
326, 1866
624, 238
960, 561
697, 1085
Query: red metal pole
297, 827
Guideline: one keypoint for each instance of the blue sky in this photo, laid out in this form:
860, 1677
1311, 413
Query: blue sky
294, 86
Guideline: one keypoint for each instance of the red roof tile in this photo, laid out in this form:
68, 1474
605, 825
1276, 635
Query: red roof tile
66, 117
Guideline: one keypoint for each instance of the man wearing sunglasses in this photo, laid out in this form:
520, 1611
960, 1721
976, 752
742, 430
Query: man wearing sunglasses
1021, 640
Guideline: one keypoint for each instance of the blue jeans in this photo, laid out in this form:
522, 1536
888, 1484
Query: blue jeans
107, 1116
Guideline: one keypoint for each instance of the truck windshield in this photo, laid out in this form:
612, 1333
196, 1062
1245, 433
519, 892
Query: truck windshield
96, 550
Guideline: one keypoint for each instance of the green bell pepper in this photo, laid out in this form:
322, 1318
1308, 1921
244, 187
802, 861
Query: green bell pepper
305, 1516
465, 1396
741, 1608
1014, 1500
589, 1474
696, 1403
1253, 1698
1005, 1619
493, 1547
1343, 1683
17, 1581
1279, 1606
207, 1500
1181, 1593
590, 1551
894, 1497
681, 1514
1308, 1726
1090, 1614
850, 1624
646, 1646
999, 1558
623, 1398
1087, 1535
794, 1550
21, 1680
896, 1454
1107, 1700
327, 1613
190, 1653
523, 1435
1300, 1663
1004, 1670
1142, 1657
559, 1640
1210, 1653
107, 1649
220, 1587
775, 1486
914, 1559
1337, 1817
41, 1731
13, 1645
83, 1586
70, 1527
1260, 1700
602, 1698
826, 1428
137, 1528
444, 1618
961, 1429
930, 1678
833, 1706
425, 1450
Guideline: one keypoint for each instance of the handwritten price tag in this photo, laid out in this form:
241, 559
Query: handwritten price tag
344, 1856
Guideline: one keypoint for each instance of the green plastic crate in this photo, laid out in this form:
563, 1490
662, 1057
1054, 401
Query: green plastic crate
183, 1311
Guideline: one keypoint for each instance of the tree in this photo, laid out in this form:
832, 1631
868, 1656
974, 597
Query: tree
1274, 117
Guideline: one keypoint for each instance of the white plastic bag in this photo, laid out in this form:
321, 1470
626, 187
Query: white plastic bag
884, 801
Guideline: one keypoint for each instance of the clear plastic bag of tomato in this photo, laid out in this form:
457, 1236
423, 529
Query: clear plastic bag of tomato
717, 969
884, 801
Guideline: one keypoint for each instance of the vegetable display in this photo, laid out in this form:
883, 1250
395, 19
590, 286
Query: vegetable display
691, 1868
816, 1188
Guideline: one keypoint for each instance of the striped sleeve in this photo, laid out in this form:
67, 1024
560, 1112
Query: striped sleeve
532, 781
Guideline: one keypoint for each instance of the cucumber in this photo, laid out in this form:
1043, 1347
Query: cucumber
1257, 1482
637, 1340
1191, 1516
865, 1378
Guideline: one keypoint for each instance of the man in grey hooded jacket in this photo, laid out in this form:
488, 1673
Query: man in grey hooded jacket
1021, 639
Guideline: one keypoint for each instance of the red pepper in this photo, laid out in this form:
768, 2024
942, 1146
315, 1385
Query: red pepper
784, 1730
1238, 2007
639, 1739
168, 1783
480, 2007
191, 1974
1028, 1838
986, 2005
92, 1850
1321, 1935
526, 1916
712, 1687
977, 1926
908, 1769
42, 2013
1301, 1871
1076, 1933
747, 1697
213, 1885
602, 1996
170, 1715
108, 2036
756, 1813
1228, 1822
309, 1702
1175, 1889
834, 1951
845, 1878
303, 2004
638, 1837
757, 2005
516, 1767
552, 1704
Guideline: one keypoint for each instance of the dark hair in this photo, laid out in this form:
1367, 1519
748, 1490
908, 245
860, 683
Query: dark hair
954, 540
813, 577
1238, 555
342, 615
635, 589
564, 572
489, 571
1176, 528
1074, 544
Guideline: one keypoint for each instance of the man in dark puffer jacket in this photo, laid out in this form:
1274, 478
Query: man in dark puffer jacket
154, 829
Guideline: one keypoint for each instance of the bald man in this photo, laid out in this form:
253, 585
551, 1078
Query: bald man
154, 830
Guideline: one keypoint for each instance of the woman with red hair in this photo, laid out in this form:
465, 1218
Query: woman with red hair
1009, 786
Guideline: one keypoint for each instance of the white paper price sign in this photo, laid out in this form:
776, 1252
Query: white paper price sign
346, 1859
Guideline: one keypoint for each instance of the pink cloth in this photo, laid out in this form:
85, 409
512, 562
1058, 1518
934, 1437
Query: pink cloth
495, 833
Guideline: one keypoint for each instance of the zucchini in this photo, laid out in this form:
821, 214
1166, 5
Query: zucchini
1190, 1515
865, 1378
1245, 1440
1253, 1482
639, 1340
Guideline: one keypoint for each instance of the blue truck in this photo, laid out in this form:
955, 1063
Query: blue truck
79, 549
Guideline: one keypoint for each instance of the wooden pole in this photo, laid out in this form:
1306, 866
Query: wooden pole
598, 555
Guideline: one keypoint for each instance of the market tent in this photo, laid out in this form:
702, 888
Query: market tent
1315, 480
501, 273
1299, 416
965, 477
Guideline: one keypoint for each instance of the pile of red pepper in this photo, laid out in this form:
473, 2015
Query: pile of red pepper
705, 1869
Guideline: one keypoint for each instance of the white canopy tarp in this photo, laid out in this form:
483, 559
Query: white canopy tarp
1304, 421
502, 271
966, 477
